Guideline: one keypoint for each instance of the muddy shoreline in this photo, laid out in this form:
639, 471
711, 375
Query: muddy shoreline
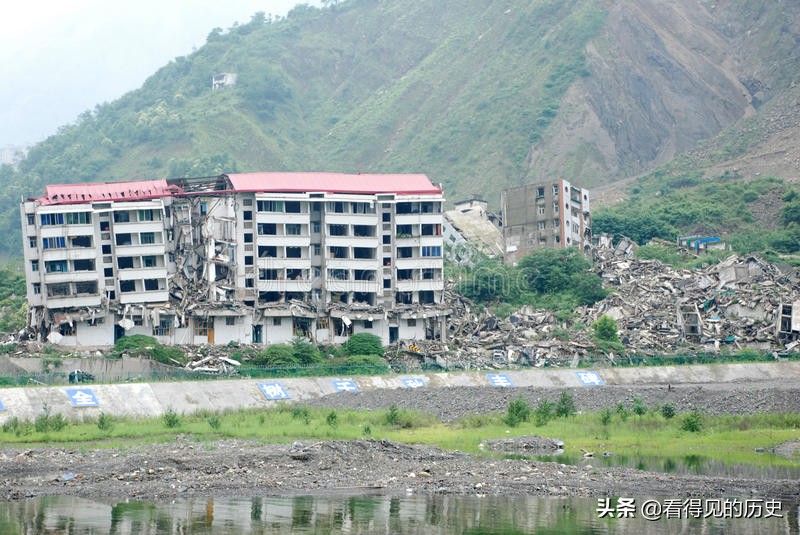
186, 467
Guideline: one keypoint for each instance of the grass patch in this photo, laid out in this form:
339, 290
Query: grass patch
729, 439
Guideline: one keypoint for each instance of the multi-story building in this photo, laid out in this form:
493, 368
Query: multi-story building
545, 215
254, 258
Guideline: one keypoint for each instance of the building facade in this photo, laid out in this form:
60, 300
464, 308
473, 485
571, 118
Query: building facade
552, 214
253, 258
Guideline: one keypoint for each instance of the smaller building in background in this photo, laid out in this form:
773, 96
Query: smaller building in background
223, 80
549, 214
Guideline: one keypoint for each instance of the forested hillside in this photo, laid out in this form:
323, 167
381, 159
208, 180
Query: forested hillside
478, 94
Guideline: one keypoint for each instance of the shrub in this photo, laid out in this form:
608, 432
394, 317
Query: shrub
301, 413
363, 344
543, 413
518, 412
566, 405
692, 422
171, 418
276, 355
371, 363
639, 408
623, 412
393, 415
667, 411
105, 422
214, 422
139, 345
332, 419
606, 416
305, 352
605, 328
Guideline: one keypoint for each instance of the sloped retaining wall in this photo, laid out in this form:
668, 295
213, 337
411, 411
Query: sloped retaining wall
154, 399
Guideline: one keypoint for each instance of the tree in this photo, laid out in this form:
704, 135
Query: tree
363, 344
305, 352
605, 328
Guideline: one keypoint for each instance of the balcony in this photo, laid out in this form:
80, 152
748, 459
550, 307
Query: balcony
284, 285
144, 297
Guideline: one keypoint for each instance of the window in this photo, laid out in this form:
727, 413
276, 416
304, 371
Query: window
230, 320
540, 210
122, 217
276, 321
37, 288
576, 228
31, 219
83, 265
248, 260
294, 252
363, 208
202, 325
337, 230
149, 215
363, 252
51, 219
557, 222
432, 250
80, 241
106, 249
34, 265
123, 239
267, 251
247, 202
339, 252
293, 229
54, 243
542, 225
269, 206
540, 193
147, 238
56, 266
108, 272
411, 322
555, 189
315, 226
58, 290
125, 262
431, 230
151, 285
247, 215
104, 226
87, 287
556, 207
336, 207
268, 274
292, 207
164, 327
150, 261
248, 237
32, 241
367, 324
127, 286
268, 229
249, 283
79, 218
317, 249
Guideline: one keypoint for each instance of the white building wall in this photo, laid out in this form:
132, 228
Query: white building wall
100, 334
278, 334
241, 331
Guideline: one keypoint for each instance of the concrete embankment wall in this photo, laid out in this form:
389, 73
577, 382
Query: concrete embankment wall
154, 399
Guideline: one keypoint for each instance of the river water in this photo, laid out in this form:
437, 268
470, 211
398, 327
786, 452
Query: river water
374, 514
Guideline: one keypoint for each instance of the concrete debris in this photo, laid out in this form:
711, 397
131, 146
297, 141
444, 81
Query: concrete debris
740, 302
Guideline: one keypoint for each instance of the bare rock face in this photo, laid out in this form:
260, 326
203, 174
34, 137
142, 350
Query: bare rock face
663, 76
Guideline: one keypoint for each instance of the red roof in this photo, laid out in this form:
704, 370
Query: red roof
105, 191
333, 183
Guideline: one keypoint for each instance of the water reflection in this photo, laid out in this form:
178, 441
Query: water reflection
688, 464
355, 515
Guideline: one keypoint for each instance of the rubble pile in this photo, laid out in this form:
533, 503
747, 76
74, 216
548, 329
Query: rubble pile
659, 309
741, 302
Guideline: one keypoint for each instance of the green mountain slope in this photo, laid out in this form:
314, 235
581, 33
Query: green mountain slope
478, 94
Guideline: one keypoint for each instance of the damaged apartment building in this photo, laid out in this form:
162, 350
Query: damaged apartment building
553, 214
253, 258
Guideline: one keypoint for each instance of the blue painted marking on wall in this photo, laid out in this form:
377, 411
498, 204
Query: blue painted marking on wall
499, 379
590, 378
414, 382
345, 385
273, 390
82, 397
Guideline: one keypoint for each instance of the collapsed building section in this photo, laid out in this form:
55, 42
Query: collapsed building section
254, 258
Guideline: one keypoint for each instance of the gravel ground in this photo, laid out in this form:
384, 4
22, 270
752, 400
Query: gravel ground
241, 468
449, 404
